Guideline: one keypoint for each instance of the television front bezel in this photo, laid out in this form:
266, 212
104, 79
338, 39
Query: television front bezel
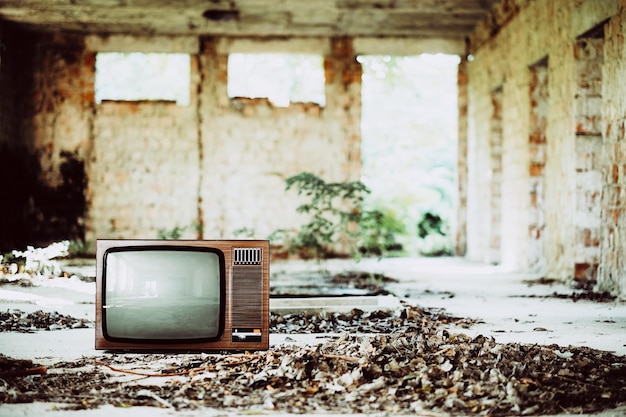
226, 341
166, 248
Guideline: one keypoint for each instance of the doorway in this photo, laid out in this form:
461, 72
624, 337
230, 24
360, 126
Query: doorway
409, 146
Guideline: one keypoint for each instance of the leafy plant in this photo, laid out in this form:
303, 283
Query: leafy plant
429, 224
377, 232
245, 232
177, 231
77, 248
336, 218
433, 233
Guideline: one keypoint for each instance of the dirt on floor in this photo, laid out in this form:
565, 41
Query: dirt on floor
401, 362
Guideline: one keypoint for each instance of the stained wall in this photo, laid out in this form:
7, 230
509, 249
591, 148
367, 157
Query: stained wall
249, 147
44, 135
562, 145
218, 165
612, 270
209, 168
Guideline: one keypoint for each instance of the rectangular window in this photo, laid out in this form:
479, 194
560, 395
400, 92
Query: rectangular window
138, 76
282, 78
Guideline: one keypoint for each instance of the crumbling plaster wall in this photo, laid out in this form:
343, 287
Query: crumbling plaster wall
212, 167
219, 164
63, 98
534, 31
144, 166
249, 147
140, 167
45, 118
612, 271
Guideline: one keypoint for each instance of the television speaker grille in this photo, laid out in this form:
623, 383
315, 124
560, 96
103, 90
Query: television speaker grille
247, 256
247, 306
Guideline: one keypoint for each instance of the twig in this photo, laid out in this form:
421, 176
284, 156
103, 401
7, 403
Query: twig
344, 358
246, 359
442, 351
148, 374
40, 370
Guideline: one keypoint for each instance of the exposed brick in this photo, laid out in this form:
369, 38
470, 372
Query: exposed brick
537, 137
585, 272
536, 170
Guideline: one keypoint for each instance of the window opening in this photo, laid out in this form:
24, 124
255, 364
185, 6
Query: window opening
139, 76
282, 78
409, 130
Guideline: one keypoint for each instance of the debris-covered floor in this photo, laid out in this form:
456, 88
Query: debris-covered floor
460, 339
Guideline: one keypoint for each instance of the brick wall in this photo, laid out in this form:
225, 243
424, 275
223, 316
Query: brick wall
495, 177
612, 271
136, 168
45, 121
62, 99
250, 147
539, 100
143, 175
212, 167
588, 52
461, 215
581, 165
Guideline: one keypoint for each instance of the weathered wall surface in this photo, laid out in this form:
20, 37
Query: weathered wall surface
62, 101
45, 119
581, 84
546, 153
144, 163
539, 106
612, 271
132, 169
589, 57
460, 240
250, 147
144, 170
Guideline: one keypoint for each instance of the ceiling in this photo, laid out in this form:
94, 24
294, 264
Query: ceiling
446, 19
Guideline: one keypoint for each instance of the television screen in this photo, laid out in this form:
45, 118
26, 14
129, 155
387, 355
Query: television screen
163, 293
154, 294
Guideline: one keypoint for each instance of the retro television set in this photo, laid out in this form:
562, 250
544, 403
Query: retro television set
182, 295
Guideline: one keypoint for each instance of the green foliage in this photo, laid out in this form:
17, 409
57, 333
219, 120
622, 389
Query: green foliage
77, 247
171, 234
433, 233
378, 230
244, 232
335, 217
7, 258
429, 224
177, 232
410, 157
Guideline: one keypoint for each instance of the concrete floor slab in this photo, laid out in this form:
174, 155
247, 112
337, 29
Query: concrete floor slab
506, 305
511, 307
